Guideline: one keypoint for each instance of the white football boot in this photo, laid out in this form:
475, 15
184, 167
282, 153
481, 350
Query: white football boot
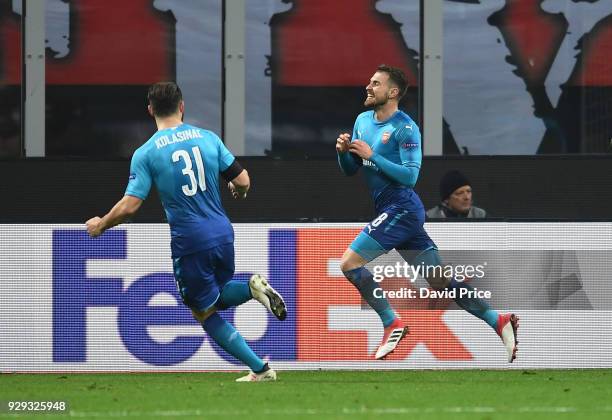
266, 376
391, 339
267, 296
507, 326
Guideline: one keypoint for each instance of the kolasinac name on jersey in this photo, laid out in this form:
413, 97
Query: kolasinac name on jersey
178, 137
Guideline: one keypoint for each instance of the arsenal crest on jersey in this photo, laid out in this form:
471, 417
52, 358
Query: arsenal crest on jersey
385, 137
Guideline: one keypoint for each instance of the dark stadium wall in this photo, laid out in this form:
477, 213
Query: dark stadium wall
70, 191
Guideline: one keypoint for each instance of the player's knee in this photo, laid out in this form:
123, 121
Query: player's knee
202, 316
347, 266
350, 261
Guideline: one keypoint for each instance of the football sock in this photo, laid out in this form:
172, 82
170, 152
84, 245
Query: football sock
231, 341
234, 293
265, 368
476, 306
363, 280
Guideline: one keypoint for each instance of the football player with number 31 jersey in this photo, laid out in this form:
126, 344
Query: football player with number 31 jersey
184, 163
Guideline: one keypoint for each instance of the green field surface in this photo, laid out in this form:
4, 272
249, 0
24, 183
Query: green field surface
461, 394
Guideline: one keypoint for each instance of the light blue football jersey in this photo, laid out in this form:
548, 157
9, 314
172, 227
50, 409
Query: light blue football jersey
398, 140
184, 163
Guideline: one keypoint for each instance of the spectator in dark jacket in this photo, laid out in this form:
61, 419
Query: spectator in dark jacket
455, 199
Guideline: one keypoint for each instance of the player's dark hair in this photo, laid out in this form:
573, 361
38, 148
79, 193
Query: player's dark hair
164, 98
396, 76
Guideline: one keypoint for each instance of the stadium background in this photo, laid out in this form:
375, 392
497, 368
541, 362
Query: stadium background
527, 116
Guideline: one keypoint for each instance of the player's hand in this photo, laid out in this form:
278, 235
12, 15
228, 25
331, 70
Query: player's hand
342, 143
94, 227
361, 149
236, 192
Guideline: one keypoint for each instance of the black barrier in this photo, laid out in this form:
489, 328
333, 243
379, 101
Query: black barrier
542, 187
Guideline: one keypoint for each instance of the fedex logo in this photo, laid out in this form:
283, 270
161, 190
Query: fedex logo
74, 292
325, 322
331, 323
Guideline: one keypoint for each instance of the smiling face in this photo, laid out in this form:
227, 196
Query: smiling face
380, 90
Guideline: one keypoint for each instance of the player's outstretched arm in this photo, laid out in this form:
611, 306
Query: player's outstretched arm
123, 210
239, 186
346, 160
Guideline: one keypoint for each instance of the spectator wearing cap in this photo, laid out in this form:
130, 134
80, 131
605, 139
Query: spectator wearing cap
455, 199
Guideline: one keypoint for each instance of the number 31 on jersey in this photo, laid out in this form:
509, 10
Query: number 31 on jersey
191, 188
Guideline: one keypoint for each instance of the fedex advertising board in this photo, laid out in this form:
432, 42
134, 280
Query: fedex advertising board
72, 303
